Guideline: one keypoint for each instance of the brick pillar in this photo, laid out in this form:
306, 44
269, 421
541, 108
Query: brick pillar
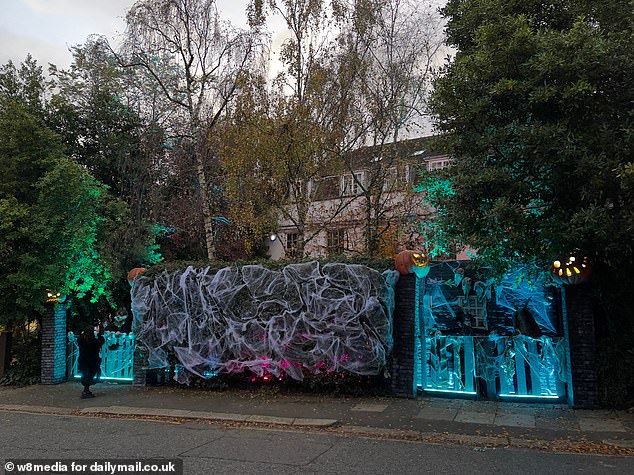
54, 344
578, 322
5, 357
139, 365
404, 352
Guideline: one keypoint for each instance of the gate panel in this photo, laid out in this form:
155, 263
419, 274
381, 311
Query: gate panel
538, 365
449, 364
117, 357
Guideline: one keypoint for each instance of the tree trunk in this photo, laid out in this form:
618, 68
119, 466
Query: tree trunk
301, 245
368, 224
204, 198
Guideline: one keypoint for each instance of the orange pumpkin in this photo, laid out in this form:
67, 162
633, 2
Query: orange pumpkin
134, 273
571, 271
408, 262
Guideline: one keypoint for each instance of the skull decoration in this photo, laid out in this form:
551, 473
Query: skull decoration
408, 262
573, 270
120, 318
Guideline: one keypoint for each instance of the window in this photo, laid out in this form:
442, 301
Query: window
328, 188
292, 244
407, 171
475, 311
437, 164
391, 180
336, 241
350, 185
300, 189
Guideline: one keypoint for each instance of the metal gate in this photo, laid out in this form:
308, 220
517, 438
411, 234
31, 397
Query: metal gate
481, 338
117, 356
498, 367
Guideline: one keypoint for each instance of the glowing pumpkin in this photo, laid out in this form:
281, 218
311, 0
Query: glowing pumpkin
571, 271
134, 273
408, 262
54, 297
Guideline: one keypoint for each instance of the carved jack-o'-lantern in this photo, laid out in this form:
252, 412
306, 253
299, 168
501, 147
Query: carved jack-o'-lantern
54, 297
573, 270
134, 273
408, 262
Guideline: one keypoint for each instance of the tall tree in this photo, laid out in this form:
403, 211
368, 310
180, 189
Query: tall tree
56, 219
356, 74
97, 116
25, 84
196, 60
536, 110
396, 43
99, 124
280, 129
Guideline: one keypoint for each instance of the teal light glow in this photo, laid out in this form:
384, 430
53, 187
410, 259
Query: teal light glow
530, 396
504, 363
107, 378
451, 391
117, 357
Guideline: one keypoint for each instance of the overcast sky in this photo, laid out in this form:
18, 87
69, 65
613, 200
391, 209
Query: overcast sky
47, 28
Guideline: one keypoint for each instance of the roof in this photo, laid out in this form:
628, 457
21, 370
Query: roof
418, 149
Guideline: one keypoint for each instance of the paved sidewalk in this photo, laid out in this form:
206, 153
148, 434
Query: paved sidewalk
439, 419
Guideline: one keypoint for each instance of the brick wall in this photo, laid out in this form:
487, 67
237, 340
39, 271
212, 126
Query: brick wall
54, 344
140, 362
578, 322
4, 352
403, 354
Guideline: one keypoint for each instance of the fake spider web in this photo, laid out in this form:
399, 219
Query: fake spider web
304, 319
447, 283
455, 353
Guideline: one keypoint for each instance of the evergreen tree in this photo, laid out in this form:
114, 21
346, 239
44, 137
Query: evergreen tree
536, 109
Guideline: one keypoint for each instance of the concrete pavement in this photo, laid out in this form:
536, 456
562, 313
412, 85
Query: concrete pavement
211, 449
477, 423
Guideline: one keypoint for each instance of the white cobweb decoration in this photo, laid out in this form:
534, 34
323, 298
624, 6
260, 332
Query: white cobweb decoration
304, 319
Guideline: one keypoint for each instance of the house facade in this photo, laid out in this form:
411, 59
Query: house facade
375, 186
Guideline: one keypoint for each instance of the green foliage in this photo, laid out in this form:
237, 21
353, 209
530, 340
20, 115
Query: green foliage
91, 114
96, 115
536, 110
56, 218
27, 150
436, 188
152, 251
62, 240
75, 215
25, 358
25, 85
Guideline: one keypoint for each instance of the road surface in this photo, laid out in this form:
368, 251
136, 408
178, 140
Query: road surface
212, 449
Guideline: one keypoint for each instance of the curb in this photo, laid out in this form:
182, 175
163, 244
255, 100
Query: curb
62, 411
173, 413
483, 443
210, 416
